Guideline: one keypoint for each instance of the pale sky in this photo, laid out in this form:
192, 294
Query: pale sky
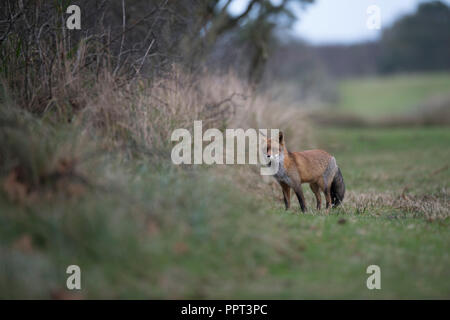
342, 21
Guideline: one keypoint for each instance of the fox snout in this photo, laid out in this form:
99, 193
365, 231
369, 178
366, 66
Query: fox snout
274, 157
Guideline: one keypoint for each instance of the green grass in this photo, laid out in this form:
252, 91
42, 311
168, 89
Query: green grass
157, 231
412, 252
388, 95
390, 160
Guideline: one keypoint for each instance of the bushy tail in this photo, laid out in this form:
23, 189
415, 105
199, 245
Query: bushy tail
337, 188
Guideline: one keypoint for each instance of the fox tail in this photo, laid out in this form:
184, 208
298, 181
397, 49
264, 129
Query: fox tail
337, 189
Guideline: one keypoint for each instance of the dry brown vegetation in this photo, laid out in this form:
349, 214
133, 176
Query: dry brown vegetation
429, 207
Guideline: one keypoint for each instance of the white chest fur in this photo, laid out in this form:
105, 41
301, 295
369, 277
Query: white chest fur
281, 174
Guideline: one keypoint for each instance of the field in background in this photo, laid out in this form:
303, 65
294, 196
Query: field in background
391, 95
393, 160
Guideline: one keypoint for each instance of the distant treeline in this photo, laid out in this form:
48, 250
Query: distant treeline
417, 42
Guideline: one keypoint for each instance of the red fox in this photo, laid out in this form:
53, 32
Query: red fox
316, 167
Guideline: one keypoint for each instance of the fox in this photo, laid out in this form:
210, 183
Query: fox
316, 167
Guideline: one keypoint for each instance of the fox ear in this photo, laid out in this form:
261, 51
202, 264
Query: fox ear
281, 137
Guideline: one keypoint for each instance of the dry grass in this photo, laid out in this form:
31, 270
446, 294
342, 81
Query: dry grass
148, 111
429, 207
137, 117
80, 93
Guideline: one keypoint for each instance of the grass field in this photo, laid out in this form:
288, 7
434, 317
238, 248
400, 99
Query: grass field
87, 178
388, 95
175, 234
392, 159
412, 251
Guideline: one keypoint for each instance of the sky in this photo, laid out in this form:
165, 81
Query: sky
342, 21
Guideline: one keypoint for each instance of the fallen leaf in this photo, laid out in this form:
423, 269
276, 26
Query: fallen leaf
152, 228
24, 244
15, 189
180, 248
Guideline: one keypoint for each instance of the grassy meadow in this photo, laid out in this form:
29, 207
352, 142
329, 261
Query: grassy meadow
160, 237
152, 230
86, 178
380, 96
395, 216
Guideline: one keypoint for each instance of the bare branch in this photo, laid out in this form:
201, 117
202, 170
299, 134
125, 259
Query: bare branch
123, 38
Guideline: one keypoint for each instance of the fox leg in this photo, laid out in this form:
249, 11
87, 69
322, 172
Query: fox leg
315, 189
326, 191
328, 197
301, 198
286, 195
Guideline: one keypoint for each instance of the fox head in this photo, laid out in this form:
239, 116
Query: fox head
274, 147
